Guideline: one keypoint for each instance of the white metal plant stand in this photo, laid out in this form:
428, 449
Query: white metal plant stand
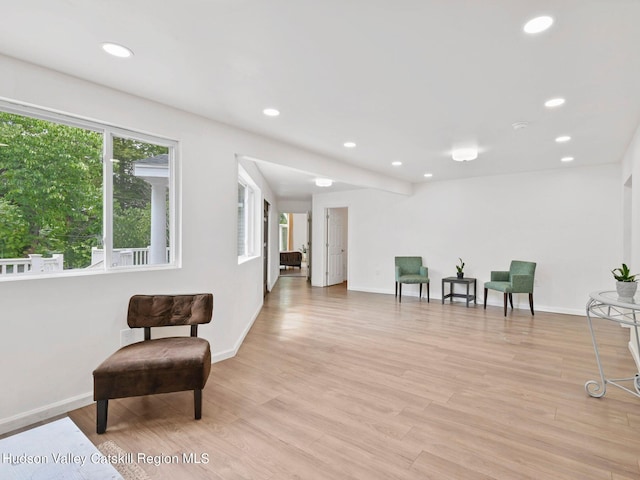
624, 311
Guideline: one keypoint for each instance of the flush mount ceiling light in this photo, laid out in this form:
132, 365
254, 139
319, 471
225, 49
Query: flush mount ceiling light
538, 24
349, 144
428, 175
271, 112
116, 50
563, 138
554, 102
396, 163
464, 154
324, 182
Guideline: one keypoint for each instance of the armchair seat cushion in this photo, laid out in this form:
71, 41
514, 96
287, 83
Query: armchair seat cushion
413, 279
504, 287
154, 366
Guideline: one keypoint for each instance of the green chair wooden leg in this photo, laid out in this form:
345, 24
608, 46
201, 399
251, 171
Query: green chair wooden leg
505, 304
531, 303
485, 298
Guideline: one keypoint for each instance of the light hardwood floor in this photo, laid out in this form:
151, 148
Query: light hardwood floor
333, 384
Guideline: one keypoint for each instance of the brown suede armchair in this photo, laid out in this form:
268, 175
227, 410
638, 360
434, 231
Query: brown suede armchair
163, 365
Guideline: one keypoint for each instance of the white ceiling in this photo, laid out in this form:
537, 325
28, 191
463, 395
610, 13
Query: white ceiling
406, 80
292, 184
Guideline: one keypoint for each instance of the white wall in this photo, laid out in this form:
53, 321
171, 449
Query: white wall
631, 170
299, 231
55, 331
569, 221
294, 206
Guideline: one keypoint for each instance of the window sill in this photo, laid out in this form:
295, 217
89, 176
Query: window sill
85, 273
246, 259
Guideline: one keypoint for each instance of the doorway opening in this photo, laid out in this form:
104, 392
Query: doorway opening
294, 243
265, 248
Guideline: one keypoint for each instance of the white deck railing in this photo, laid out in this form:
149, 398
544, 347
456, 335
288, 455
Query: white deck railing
34, 264
121, 257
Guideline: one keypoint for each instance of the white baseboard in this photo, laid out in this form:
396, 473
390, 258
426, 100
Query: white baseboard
45, 412
524, 306
385, 291
224, 355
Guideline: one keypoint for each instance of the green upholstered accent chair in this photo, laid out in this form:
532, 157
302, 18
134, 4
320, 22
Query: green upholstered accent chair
519, 279
410, 270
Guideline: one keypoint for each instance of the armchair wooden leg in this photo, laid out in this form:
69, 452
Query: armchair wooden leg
485, 298
505, 304
396, 289
400, 297
197, 404
420, 297
102, 407
427, 292
511, 300
531, 303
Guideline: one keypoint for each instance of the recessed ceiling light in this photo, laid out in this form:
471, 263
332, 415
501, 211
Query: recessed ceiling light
554, 102
519, 125
566, 159
117, 50
350, 144
396, 163
563, 138
464, 154
538, 24
428, 175
271, 112
324, 182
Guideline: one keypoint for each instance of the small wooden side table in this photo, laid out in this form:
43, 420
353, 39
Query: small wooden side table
465, 281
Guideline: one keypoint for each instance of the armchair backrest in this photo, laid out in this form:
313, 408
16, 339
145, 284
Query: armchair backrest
519, 267
169, 310
521, 275
409, 265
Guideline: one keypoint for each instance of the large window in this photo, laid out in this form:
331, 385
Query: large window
77, 195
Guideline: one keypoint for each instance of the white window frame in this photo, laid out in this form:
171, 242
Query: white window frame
108, 132
252, 199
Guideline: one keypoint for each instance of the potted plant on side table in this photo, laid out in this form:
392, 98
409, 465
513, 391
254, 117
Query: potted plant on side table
460, 268
626, 285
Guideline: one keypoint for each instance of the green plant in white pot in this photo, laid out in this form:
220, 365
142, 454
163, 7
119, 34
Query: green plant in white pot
626, 283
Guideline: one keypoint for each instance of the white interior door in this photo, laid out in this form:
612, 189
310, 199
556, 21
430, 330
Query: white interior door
336, 245
309, 246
